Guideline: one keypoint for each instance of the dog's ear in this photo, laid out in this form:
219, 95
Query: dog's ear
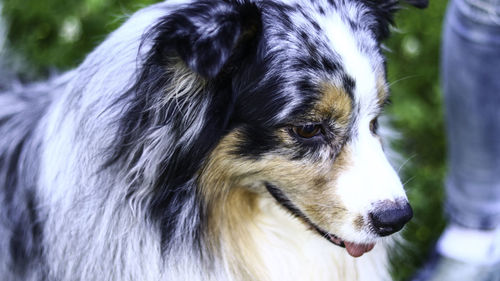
204, 34
418, 3
384, 11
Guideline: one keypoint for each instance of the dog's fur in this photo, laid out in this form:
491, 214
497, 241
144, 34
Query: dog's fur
177, 150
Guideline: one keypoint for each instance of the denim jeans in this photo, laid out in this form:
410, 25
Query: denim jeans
471, 84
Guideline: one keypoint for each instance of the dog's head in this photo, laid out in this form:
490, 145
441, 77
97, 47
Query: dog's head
292, 92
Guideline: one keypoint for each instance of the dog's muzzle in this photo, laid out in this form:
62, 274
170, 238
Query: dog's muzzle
354, 249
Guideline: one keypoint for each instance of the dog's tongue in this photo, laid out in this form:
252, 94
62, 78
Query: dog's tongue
357, 250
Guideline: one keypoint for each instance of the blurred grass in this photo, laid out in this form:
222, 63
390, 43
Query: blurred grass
413, 71
58, 34
55, 34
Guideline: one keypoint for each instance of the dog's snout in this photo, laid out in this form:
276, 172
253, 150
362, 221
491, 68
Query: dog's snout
390, 217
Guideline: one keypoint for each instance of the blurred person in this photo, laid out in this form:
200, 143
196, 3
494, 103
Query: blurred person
469, 248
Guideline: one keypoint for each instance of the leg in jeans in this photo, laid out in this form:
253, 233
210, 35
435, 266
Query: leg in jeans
469, 248
471, 85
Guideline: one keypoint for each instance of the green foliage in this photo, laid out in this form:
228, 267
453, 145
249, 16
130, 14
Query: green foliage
55, 33
413, 70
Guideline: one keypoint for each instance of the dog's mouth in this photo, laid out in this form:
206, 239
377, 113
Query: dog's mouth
354, 249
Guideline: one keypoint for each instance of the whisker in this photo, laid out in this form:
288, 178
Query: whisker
406, 162
403, 79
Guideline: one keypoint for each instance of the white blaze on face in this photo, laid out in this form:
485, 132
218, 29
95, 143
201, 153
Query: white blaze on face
368, 177
355, 63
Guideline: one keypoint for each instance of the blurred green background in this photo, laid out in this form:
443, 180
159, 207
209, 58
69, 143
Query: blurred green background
55, 34
413, 70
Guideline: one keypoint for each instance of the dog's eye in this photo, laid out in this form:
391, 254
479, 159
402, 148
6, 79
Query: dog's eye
374, 125
307, 131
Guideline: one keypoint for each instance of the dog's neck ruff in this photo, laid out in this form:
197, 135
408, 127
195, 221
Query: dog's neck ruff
276, 245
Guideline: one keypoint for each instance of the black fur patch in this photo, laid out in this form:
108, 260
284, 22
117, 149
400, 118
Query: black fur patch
212, 38
205, 33
383, 12
257, 141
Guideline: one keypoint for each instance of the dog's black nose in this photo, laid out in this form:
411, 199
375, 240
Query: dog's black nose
390, 217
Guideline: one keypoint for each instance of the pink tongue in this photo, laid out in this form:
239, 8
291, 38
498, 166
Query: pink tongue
357, 250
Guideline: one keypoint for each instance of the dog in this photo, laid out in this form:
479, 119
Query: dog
208, 140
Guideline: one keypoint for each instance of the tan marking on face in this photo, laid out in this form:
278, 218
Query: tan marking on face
338, 212
382, 90
232, 209
335, 104
342, 161
231, 184
359, 223
308, 184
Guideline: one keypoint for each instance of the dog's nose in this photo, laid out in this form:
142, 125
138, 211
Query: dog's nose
390, 217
